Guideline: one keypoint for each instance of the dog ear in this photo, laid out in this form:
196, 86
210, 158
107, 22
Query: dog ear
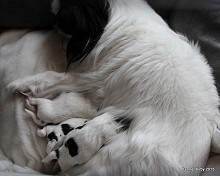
85, 21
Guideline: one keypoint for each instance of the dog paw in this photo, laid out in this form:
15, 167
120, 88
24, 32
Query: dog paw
63, 107
56, 133
17, 86
77, 148
82, 143
43, 111
37, 83
40, 109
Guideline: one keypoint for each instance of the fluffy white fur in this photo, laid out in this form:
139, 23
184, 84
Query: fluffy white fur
140, 70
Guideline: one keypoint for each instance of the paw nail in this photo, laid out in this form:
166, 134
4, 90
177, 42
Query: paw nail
51, 156
29, 106
23, 93
41, 133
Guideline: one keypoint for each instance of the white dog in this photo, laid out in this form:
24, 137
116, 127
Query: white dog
150, 94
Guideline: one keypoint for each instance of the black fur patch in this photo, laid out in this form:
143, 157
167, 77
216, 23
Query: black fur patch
85, 21
72, 147
66, 128
80, 127
52, 136
51, 124
57, 154
124, 121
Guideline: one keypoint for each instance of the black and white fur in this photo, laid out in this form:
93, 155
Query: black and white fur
154, 92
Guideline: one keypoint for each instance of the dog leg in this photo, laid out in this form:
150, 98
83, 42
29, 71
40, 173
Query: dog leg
82, 143
66, 106
38, 83
56, 133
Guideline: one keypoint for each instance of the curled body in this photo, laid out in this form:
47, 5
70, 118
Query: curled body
153, 94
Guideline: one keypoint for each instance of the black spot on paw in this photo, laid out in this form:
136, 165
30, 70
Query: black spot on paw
125, 122
57, 154
52, 136
72, 147
66, 128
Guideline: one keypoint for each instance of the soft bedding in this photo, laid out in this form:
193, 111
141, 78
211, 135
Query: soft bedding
22, 53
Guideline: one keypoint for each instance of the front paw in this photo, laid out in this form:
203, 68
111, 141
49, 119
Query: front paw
57, 133
78, 147
67, 144
81, 144
19, 86
37, 83
40, 109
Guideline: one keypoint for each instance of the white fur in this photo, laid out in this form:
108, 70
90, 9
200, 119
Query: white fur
66, 102
142, 70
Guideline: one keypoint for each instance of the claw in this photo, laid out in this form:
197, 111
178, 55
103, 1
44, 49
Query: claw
29, 106
41, 132
51, 145
51, 156
31, 114
24, 93
34, 117
54, 145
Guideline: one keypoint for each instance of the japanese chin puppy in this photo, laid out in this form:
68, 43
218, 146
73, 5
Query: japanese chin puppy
147, 92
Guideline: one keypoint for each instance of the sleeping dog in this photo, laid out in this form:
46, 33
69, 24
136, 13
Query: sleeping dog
152, 103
